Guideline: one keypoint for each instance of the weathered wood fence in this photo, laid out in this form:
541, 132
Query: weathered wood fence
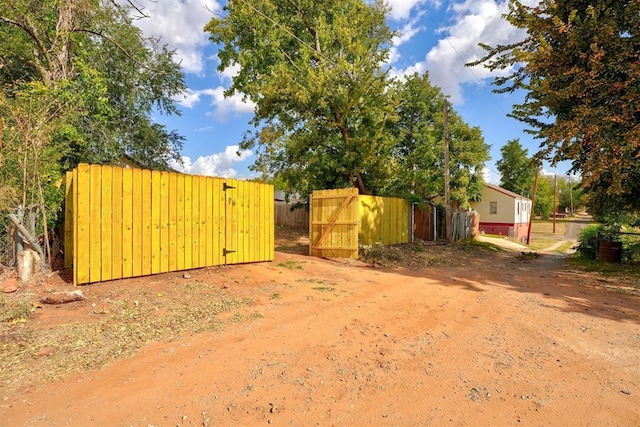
122, 222
297, 218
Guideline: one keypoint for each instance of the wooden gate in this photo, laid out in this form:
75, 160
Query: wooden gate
333, 223
122, 222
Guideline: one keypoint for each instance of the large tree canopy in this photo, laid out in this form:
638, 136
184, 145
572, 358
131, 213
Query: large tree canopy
418, 156
314, 72
517, 170
97, 61
580, 67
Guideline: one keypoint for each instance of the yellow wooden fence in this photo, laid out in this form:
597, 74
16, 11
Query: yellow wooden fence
340, 220
384, 220
122, 222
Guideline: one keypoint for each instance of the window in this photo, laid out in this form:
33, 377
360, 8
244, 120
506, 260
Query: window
518, 209
493, 208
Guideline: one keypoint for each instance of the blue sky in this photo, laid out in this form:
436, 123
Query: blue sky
434, 35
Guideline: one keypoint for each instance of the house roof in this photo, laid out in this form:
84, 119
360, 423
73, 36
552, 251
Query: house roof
506, 192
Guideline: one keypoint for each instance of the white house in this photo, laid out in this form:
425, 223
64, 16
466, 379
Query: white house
503, 212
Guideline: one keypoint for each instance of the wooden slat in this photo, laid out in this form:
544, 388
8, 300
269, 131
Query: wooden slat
116, 223
127, 222
270, 221
164, 207
188, 222
173, 222
180, 228
156, 206
94, 235
195, 222
218, 220
209, 226
140, 244
147, 223
202, 224
82, 227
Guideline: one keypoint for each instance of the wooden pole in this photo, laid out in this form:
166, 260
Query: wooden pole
533, 204
447, 202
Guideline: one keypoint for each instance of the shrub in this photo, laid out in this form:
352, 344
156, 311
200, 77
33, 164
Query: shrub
587, 242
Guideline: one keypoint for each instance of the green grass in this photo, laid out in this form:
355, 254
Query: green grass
539, 243
545, 226
471, 245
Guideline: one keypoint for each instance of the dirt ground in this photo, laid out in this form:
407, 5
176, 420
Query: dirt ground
494, 339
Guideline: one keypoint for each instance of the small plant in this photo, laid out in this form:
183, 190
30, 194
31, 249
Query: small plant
275, 295
324, 288
14, 310
291, 265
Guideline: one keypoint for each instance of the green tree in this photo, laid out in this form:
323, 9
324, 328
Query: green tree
544, 197
578, 65
314, 72
103, 69
517, 172
418, 157
78, 83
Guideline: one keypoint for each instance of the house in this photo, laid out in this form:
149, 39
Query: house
503, 212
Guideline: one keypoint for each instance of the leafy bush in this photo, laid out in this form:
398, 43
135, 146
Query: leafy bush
587, 242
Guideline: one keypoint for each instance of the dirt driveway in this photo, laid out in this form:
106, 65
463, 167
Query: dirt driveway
495, 340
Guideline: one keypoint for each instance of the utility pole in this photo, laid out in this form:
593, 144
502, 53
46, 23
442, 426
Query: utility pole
533, 204
571, 194
555, 187
447, 202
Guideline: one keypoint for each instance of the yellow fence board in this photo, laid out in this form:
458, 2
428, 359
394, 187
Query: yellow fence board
218, 220
164, 222
156, 198
127, 222
202, 224
188, 228
180, 234
147, 223
116, 223
138, 223
132, 222
105, 215
95, 221
82, 226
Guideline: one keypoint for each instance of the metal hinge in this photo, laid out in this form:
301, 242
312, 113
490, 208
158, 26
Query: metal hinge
226, 187
225, 252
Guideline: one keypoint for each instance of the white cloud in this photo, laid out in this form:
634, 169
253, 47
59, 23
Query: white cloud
219, 164
400, 9
473, 22
223, 107
179, 24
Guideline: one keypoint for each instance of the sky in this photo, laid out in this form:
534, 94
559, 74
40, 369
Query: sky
434, 36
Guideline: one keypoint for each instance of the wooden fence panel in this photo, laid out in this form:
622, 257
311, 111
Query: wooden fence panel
384, 220
129, 222
297, 218
333, 228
